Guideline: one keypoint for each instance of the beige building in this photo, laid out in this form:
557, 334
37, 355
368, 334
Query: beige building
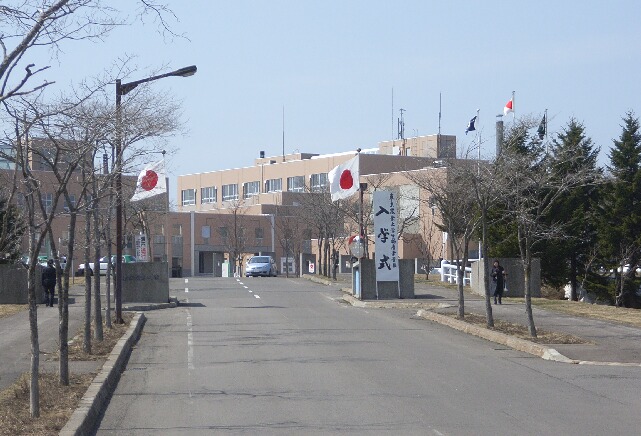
227, 215
278, 181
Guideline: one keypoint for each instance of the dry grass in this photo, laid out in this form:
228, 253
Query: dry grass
57, 403
521, 331
619, 315
99, 350
11, 309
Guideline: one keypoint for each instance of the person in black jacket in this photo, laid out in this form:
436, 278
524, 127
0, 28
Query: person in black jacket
49, 282
498, 280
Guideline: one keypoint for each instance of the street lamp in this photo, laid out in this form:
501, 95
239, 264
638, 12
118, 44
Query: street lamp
123, 89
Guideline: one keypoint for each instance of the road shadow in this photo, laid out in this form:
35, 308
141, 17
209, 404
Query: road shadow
192, 305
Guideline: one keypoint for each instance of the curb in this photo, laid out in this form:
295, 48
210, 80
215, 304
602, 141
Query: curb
84, 418
518, 344
320, 280
143, 307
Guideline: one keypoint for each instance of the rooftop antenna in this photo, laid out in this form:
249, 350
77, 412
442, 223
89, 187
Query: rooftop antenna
439, 114
283, 133
393, 138
401, 131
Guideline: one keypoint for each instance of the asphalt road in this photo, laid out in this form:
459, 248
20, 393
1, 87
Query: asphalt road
284, 356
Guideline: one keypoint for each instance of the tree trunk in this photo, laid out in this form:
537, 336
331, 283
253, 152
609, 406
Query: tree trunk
109, 268
63, 307
86, 345
34, 391
573, 281
489, 317
460, 273
97, 327
527, 270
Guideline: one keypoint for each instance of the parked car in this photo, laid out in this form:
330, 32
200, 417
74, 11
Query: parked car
126, 258
261, 266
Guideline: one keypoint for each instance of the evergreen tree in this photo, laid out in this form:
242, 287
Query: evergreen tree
565, 259
620, 225
11, 230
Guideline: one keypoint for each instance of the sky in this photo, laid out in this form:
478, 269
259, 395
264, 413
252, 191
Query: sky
340, 71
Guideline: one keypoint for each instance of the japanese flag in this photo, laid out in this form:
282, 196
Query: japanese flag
508, 108
344, 179
151, 181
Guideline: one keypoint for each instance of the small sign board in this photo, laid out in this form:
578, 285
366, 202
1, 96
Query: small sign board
142, 248
385, 231
312, 268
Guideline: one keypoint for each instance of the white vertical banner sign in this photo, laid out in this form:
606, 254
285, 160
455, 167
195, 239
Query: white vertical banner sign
385, 231
142, 250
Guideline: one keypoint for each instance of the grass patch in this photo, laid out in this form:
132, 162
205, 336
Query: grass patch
99, 350
11, 309
615, 314
522, 332
57, 403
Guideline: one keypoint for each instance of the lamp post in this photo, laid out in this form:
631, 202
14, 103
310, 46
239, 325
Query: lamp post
123, 89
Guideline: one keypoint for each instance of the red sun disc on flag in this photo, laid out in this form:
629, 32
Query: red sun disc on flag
149, 180
346, 181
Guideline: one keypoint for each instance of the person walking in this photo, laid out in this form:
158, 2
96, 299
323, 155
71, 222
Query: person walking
498, 279
49, 282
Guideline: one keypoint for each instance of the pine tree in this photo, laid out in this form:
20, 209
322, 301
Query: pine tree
567, 258
11, 230
620, 226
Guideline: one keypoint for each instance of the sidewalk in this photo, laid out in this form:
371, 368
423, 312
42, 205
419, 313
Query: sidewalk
15, 341
610, 343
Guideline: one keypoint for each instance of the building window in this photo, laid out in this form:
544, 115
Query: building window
250, 189
318, 182
188, 197
223, 232
296, 184
274, 185
230, 192
47, 201
208, 195
259, 233
73, 203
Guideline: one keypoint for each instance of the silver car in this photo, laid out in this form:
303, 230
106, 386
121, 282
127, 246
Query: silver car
261, 266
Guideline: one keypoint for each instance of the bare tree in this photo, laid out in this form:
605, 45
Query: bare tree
448, 189
532, 185
28, 24
290, 229
232, 233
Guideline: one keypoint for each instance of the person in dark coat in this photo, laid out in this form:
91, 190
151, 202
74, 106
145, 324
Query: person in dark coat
498, 280
49, 282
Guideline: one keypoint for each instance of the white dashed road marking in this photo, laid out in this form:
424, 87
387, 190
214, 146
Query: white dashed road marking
256, 296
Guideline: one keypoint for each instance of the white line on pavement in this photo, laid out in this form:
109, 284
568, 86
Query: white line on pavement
190, 349
256, 296
190, 342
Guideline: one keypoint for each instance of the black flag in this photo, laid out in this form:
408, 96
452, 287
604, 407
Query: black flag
543, 127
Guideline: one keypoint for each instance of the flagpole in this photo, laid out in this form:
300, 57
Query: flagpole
478, 133
513, 111
478, 163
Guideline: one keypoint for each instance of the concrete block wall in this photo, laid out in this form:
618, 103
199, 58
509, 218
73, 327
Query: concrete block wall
515, 278
387, 290
145, 282
13, 285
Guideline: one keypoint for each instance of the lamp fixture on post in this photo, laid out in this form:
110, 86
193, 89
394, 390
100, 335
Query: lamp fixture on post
124, 89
